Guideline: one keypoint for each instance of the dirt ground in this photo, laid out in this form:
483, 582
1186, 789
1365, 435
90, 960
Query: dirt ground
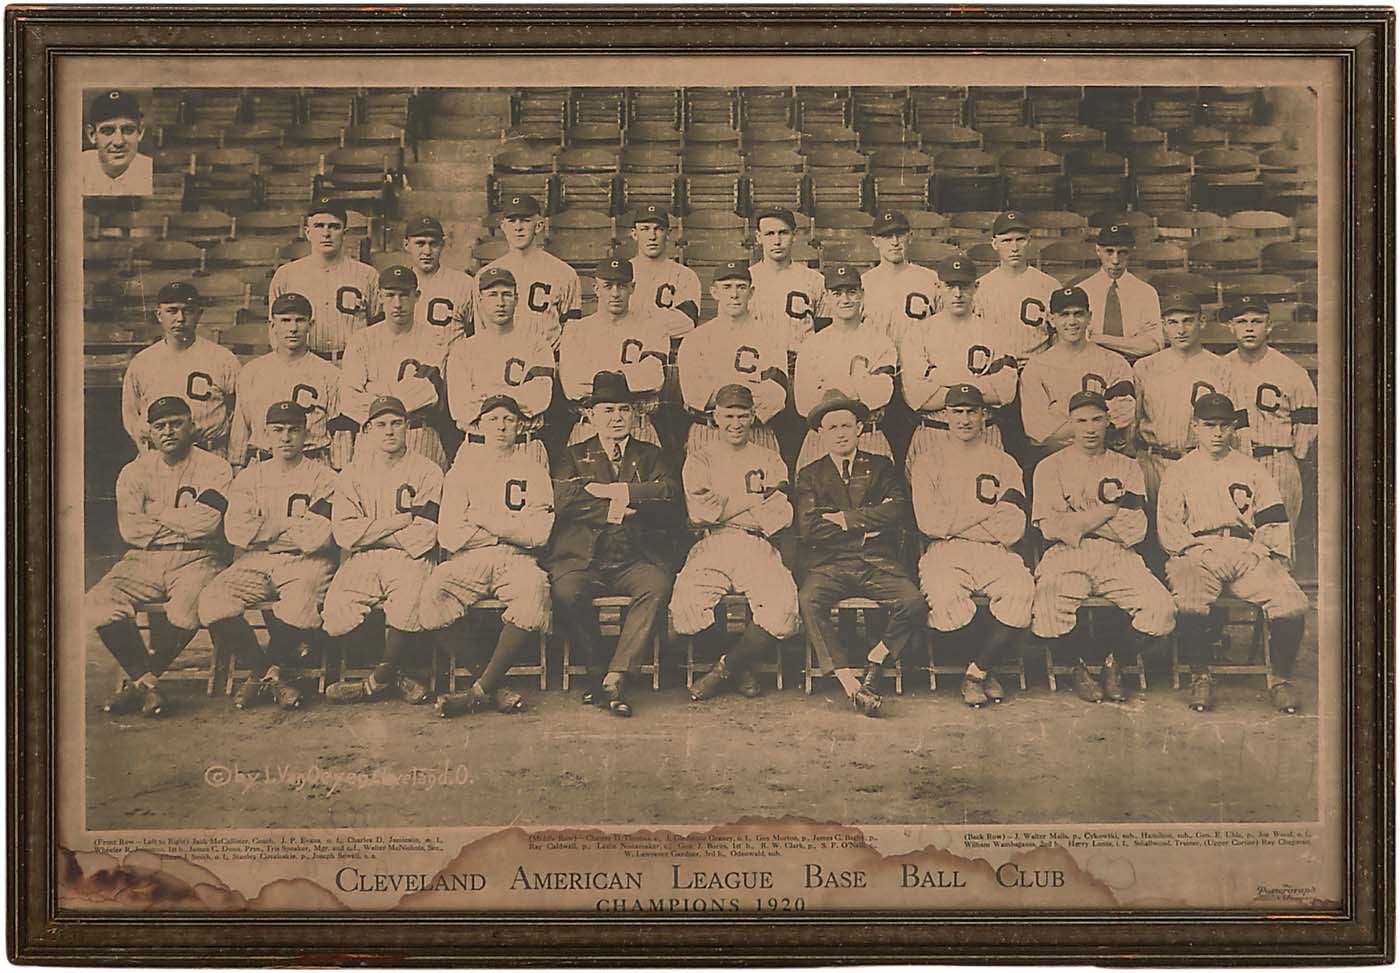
1039, 757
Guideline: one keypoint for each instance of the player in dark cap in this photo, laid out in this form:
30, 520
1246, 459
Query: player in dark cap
1127, 316
444, 294
548, 287
899, 294
115, 166
660, 280
785, 294
1012, 298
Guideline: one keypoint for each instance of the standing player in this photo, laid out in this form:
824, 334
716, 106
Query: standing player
969, 502
1127, 315
661, 281
548, 287
170, 509
1012, 298
400, 357
1222, 521
181, 364
114, 166
849, 355
343, 291
445, 295
1281, 398
1088, 504
734, 491
784, 292
497, 509
384, 517
955, 347
279, 514
899, 295
289, 372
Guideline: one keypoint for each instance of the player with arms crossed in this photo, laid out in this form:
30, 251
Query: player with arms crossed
497, 509
1088, 503
444, 295
661, 281
279, 515
970, 503
784, 293
548, 287
170, 509
1221, 520
734, 492
181, 364
1127, 314
343, 291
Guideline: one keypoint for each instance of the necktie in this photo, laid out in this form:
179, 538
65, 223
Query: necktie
1113, 312
616, 458
846, 470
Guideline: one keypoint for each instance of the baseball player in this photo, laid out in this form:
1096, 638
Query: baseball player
114, 166
616, 338
849, 355
497, 508
289, 372
170, 509
852, 510
1074, 364
734, 492
1223, 523
445, 296
733, 347
503, 357
663, 282
784, 291
548, 287
279, 514
899, 295
398, 357
970, 503
343, 291
954, 347
1281, 398
1013, 297
1127, 315
1088, 504
384, 517
181, 364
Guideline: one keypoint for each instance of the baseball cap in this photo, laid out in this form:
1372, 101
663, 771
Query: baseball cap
386, 403
398, 278
521, 205
1067, 297
177, 292
499, 401
733, 270
1181, 301
1080, 399
327, 205
614, 269
963, 395
1009, 221
1213, 405
957, 269
113, 104
167, 405
734, 397
291, 304
890, 221
1237, 304
842, 275
424, 226
776, 213
286, 412
651, 213
1116, 235
494, 277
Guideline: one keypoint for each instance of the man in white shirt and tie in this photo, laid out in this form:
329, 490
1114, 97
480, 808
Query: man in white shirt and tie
1126, 314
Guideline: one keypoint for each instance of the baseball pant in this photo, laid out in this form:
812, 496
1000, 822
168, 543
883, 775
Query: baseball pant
734, 561
1228, 564
382, 578
873, 441
648, 587
952, 571
703, 434
499, 571
140, 577
927, 438
296, 582
876, 578
1100, 568
419, 439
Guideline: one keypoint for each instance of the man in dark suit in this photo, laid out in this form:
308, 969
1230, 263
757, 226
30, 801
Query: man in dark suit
616, 510
852, 512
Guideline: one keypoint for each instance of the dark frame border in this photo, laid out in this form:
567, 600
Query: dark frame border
1362, 932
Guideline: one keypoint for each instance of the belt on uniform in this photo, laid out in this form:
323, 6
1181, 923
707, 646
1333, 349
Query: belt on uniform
1232, 531
1260, 451
721, 528
180, 546
318, 452
1164, 452
520, 438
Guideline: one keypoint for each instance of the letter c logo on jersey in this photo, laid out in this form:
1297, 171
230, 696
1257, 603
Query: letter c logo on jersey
405, 490
343, 302
439, 312
185, 491
1032, 312
1243, 496
666, 295
860, 365
631, 352
979, 357
753, 481
1268, 397
514, 372
298, 504
515, 494
311, 396
1199, 389
988, 488
798, 305
197, 387
917, 306
538, 298
746, 359
1110, 489
1093, 383
409, 364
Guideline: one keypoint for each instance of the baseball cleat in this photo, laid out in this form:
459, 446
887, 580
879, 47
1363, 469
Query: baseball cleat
1202, 691
253, 691
746, 684
285, 694
1113, 683
128, 699
154, 703
617, 704
712, 683
411, 689
1285, 698
992, 687
974, 692
870, 681
866, 703
1086, 687
509, 701
460, 704
351, 691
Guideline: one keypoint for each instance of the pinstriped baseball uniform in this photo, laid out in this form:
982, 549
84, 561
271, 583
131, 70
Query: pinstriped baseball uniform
1104, 563
495, 510
861, 362
387, 572
737, 497
899, 298
445, 301
281, 519
517, 363
310, 381
1052, 377
1222, 520
637, 346
667, 284
1282, 404
172, 516
749, 351
409, 366
791, 295
1016, 306
548, 289
344, 296
205, 375
971, 505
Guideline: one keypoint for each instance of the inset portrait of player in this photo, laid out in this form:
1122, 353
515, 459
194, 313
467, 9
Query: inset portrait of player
114, 166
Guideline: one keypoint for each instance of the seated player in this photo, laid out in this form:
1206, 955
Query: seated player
852, 511
1088, 503
969, 503
384, 517
170, 509
497, 510
279, 515
1223, 524
734, 492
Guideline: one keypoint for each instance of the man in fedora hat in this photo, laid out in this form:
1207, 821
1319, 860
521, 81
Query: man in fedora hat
615, 511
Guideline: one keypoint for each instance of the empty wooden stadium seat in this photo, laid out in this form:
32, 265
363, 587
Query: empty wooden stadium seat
1203, 287
996, 105
1051, 224
937, 105
766, 106
966, 179
136, 224
654, 105
167, 255
714, 135
929, 252
998, 139
772, 177
1098, 179
246, 252
1191, 226
1034, 179
1289, 258
1053, 104
278, 223
941, 138
707, 106
1170, 107
588, 176
1230, 106
1274, 288
1159, 257
901, 177
1067, 259
1109, 106
596, 106
1260, 225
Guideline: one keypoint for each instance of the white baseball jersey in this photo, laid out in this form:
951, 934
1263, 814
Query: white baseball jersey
948, 350
1203, 497
548, 291
378, 488
138, 179
162, 505
1280, 397
280, 510
310, 381
1017, 306
517, 363
344, 296
1168, 385
445, 301
1141, 308
668, 285
900, 297
381, 361
860, 362
1051, 378
723, 351
637, 345
488, 499
720, 481
205, 375
791, 294
1072, 481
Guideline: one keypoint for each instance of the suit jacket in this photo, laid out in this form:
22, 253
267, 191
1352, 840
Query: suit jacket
580, 518
876, 505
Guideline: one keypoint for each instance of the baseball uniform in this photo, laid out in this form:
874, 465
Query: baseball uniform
723, 351
1139, 308
205, 375
548, 289
899, 298
344, 296
859, 362
791, 295
517, 363
668, 285
445, 302
1053, 376
381, 361
309, 380
1015, 306
637, 345
1282, 404
137, 179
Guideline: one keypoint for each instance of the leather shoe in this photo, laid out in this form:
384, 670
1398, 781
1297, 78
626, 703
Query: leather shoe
870, 681
866, 703
712, 683
616, 702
